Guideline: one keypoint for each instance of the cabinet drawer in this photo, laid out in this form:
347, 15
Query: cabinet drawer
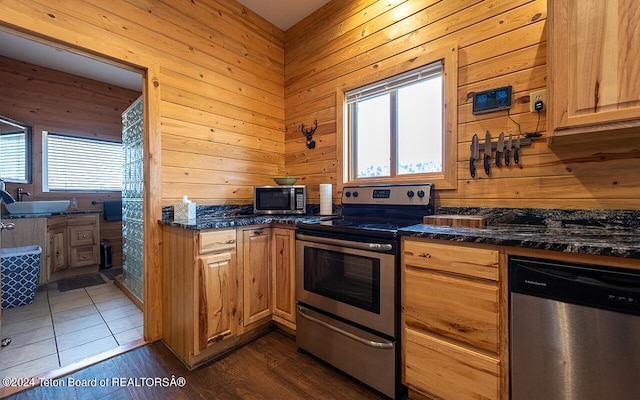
217, 241
84, 255
480, 263
457, 308
82, 235
445, 371
80, 219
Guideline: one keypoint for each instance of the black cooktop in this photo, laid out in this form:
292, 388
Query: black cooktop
377, 210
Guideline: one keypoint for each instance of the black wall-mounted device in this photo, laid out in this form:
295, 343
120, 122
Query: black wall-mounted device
492, 100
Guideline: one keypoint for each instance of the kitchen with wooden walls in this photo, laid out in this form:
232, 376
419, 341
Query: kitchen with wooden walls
226, 94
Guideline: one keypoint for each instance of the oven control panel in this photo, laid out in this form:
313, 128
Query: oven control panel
410, 194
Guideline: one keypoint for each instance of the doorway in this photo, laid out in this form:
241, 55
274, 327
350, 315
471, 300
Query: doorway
90, 297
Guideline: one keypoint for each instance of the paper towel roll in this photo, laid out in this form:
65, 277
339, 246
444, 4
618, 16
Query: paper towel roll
326, 207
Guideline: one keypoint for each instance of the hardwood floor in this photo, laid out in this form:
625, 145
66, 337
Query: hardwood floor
270, 367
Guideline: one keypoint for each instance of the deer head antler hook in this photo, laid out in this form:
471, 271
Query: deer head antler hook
308, 133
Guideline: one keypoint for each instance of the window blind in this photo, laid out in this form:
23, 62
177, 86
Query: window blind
396, 81
78, 163
13, 157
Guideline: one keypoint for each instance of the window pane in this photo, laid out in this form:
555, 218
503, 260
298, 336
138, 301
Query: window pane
372, 142
420, 127
76, 163
13, 158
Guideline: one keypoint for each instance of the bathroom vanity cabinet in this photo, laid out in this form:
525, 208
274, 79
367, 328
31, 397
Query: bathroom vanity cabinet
73, 241
68, 241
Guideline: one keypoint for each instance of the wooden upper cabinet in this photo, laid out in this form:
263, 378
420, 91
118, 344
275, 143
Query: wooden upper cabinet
594, 67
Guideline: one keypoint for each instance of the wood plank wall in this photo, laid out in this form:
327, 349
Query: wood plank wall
221, 79
226, 85
50, 100
500, 43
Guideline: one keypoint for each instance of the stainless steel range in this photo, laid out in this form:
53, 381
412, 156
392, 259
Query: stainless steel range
347, 282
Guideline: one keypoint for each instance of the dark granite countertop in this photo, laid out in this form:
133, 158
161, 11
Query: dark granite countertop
47, 215
618, 243
225, 216
595, 232
225, 222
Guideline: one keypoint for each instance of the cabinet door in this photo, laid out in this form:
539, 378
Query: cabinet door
256, 275
217, 300
57, 249
283, 264
594, 72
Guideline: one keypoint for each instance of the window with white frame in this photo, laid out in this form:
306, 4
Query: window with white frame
75, 163
399, 130
13, 159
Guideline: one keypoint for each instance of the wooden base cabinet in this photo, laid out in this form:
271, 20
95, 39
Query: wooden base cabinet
67, 241
29, 232
256, 269
267, 262
451, 320
74, 241
201, 303
283, 244
222, 287
217, 298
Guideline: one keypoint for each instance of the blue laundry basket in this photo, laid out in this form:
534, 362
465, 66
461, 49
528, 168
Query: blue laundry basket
20, 275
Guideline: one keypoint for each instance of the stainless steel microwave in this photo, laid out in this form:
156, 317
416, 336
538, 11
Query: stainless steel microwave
280, 199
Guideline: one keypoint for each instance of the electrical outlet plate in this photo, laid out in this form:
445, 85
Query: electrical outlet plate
535, 96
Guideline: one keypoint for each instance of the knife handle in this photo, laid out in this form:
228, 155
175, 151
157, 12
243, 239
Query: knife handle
487, 169
472, 167
506, 157
498, 158
516, 155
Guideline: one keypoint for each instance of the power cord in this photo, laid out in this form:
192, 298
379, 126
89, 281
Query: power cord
514, 121
538, 107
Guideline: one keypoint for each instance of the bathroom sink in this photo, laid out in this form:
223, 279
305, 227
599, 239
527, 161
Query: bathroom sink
37, 207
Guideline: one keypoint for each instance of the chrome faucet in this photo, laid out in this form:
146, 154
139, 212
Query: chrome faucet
21, 193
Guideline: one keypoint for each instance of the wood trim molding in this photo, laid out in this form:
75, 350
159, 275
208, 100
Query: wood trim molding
448, 53
152, 205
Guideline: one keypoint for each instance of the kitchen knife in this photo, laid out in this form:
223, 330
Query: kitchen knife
499, 149
487, 153
475, 154
516, 155
507, 151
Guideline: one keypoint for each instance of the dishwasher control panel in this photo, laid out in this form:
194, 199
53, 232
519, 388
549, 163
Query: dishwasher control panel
608, 288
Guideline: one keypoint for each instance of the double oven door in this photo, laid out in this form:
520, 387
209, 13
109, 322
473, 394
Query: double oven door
354, 280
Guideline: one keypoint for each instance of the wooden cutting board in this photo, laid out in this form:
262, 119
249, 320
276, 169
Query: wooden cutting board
464, 221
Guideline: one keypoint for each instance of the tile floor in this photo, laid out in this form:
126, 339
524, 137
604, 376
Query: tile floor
60, 328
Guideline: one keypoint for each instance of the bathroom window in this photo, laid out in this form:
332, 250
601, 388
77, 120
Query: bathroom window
74, 163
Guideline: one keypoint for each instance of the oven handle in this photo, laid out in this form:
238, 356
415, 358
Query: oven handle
370, 343
380, 247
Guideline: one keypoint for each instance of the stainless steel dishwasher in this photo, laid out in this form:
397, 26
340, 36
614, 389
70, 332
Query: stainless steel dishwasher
574, 331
